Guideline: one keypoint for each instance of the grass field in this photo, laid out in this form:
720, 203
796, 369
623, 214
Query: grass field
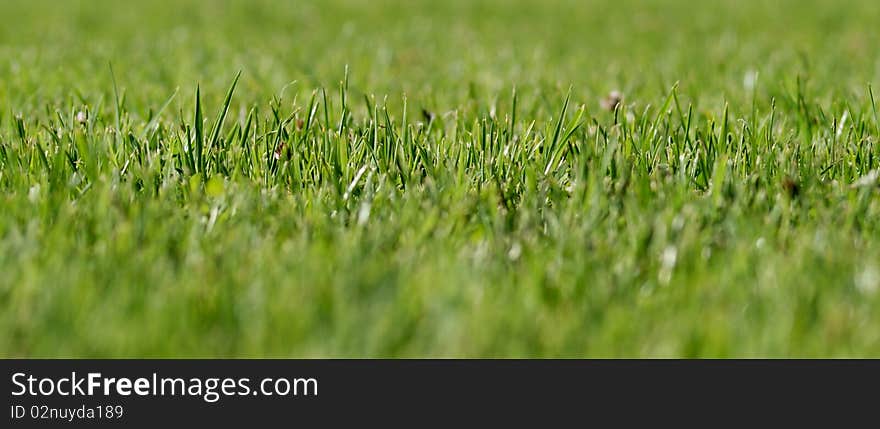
439, 178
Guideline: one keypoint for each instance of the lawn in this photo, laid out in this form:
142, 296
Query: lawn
459, 178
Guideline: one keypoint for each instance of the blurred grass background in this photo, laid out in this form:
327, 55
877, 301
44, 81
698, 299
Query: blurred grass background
436, 51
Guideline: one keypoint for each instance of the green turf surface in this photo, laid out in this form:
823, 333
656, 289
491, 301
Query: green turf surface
439, 178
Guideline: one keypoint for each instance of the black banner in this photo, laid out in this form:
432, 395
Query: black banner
415, 393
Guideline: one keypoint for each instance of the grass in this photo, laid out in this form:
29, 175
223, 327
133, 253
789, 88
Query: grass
423, 179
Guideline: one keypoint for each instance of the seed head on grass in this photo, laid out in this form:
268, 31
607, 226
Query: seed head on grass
279, 151
427, 115
612, 100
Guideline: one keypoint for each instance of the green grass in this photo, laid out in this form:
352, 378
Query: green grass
424, 178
